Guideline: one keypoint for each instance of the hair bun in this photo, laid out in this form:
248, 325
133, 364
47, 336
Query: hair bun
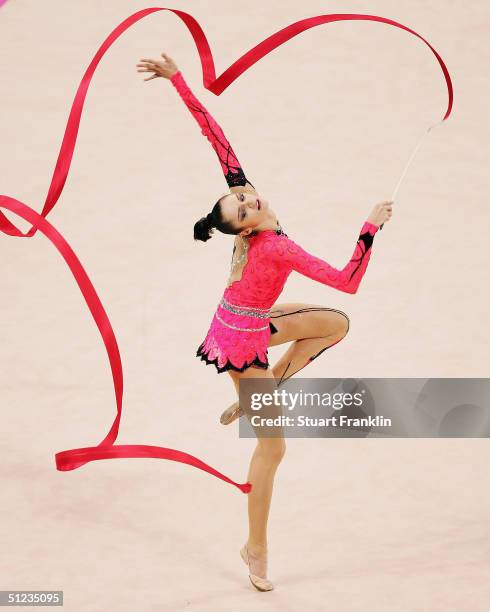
203, 228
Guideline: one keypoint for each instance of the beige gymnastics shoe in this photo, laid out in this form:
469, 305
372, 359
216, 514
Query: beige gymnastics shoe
257, 565
230, 414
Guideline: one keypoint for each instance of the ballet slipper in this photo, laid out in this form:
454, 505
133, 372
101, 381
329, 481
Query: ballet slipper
230, 414
256, 566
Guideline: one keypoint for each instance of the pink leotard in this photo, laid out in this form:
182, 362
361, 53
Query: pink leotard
238, 337
272, 257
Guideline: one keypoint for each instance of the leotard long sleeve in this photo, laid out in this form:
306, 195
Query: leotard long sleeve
272, 256
289, 254
230, 165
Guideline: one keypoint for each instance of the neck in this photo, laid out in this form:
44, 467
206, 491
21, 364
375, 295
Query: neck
271, 223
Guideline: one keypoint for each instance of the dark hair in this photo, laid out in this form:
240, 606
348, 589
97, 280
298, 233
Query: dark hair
203, 228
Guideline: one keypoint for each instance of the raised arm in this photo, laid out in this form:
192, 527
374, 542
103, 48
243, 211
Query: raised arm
230, 165
289, 253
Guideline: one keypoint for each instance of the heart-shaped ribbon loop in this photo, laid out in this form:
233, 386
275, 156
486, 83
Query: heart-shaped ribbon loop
75, 458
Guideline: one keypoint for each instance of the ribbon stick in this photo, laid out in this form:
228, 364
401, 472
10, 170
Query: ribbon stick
76, 458
410, 159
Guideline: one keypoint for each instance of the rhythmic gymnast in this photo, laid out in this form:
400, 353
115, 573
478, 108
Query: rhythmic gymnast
242, 329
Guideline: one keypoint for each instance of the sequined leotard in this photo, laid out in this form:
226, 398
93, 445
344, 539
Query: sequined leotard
239, 333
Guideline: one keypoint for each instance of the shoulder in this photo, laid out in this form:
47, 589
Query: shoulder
281, 248
272, 244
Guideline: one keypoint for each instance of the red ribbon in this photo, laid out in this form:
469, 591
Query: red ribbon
75, 458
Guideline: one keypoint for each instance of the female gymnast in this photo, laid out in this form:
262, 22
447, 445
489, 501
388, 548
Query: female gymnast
241, 330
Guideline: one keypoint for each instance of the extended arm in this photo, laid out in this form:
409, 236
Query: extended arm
305, 263
230, 165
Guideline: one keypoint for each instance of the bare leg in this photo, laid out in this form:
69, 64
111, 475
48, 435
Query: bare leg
317, 328
301, 353
263, 466
313, 329
265, 460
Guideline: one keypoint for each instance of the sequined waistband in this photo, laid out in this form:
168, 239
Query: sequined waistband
249, 311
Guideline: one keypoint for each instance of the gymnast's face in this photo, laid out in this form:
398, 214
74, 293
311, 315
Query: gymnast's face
245, 211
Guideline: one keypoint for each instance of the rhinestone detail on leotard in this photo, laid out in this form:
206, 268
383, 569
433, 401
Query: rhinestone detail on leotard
260, 313
244, 329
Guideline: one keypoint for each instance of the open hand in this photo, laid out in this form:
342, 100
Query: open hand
166, 68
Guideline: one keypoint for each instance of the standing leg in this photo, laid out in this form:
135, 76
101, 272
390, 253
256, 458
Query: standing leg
265, 460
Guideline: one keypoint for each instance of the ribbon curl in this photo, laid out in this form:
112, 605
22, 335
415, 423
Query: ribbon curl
75, 458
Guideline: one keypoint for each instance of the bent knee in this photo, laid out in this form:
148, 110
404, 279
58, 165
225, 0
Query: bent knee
345, 324
341, 325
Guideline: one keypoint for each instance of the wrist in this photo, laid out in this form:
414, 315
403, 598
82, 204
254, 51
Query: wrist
174, 74
371, 227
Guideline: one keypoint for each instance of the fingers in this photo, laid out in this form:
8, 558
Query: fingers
148, 65
153, 76
386, 207
153, 61
387, 204
158, 67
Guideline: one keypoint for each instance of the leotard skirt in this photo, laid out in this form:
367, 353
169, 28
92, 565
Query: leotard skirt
237, 338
